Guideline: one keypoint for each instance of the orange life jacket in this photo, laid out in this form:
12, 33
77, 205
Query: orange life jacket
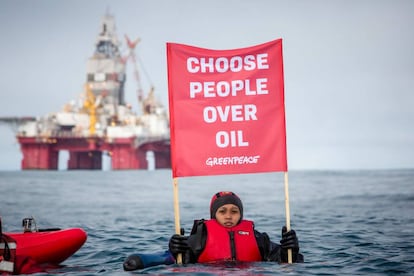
224, 244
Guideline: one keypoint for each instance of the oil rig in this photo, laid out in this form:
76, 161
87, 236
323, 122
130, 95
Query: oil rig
101, 122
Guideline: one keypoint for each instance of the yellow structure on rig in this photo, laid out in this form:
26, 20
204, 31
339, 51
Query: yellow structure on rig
90, 106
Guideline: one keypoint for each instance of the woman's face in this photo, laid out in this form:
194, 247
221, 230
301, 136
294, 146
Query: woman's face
228, 215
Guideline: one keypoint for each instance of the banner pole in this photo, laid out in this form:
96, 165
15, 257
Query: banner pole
177, 214
287, 213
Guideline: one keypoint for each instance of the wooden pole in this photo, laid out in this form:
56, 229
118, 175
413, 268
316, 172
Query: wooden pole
287, 213
177, 214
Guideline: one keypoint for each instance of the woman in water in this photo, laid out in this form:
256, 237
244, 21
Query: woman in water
226, 236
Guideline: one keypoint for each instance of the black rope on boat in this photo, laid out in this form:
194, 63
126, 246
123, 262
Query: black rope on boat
49, 229
6, 252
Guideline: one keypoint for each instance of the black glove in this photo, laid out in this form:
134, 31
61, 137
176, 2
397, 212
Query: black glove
289, 241
178, 244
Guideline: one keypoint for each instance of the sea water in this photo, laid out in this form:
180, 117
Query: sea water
347, 222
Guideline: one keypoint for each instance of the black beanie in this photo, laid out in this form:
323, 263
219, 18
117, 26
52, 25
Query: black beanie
223, 198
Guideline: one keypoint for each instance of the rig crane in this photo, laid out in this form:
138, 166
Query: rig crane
132, 56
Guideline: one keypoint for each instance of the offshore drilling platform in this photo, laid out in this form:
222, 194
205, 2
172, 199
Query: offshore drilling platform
102, 122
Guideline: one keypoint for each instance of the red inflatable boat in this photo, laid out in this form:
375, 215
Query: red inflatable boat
27, 252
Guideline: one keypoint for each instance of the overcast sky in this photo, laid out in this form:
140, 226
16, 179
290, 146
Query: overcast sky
349, 66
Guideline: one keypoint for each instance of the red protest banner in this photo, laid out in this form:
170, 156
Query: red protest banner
226, 109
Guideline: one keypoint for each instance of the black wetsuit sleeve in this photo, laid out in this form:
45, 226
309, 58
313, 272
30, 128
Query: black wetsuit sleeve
272, 252
196, 242
269, 251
